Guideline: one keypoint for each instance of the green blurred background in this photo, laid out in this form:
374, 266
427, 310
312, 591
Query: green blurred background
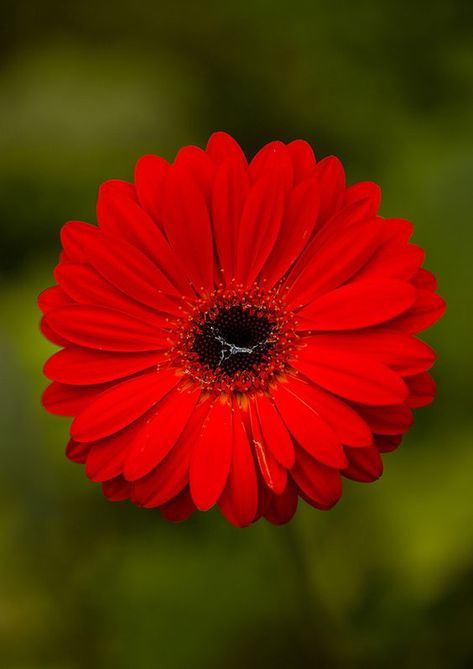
386, 578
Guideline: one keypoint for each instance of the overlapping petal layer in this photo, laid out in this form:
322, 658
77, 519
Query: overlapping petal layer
273, 277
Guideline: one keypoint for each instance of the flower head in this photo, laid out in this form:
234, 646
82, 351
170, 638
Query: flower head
237, 334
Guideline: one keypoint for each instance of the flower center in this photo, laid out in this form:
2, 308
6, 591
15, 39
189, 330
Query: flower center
237, 340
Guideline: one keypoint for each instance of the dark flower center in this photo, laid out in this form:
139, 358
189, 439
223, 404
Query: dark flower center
233, 340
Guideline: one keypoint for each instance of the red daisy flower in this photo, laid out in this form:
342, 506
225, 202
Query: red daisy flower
237, 334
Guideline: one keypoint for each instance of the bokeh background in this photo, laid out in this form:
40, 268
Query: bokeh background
386, 578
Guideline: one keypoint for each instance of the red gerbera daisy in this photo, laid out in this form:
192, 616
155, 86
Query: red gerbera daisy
237, 334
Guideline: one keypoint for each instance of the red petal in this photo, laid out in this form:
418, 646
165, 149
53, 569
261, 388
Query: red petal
161, 432
347, 217
282, 507
389, 420
311, 432
239, 500
63, 400
199, 166
274, 156
321, 485
426, 310
86, 286
298, 223
367, 192
150, 172
79, 366
424, 279
172, 474
122, 404
396, 231
229, 195
107, 457
396, 261
210, 463
50, 334
357, 305
397, 350
365, 464
386, 444
51, 298
336, 262
353, 376
276, 436
74, 235
187, 225
76, 451
345, 422
331, 176
105, 329
273, 474
421, 390
117, 489
264, 497
260, 224
303, 159
178, 509
121, 264
119, 215
222, 146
